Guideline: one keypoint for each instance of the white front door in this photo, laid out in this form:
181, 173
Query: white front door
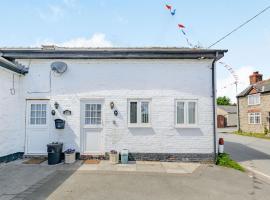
37, 126
91, 122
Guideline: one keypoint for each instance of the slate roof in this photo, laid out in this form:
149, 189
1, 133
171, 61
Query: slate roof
228, 109
261, 87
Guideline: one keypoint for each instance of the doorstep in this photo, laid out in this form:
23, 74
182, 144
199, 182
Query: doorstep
143, 166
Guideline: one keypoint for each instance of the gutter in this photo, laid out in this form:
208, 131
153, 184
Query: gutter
214, 104
15, 67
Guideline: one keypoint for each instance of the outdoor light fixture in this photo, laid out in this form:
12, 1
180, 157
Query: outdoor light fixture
112, 105
56, 105
115, 112
53, 112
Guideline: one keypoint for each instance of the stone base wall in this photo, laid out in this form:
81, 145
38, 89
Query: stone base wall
172, 157
11, 157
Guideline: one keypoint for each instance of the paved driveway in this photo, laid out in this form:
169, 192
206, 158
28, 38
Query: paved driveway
253, 153
38, 182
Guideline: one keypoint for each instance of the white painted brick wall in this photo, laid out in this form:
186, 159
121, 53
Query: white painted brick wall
117, 80
11, 115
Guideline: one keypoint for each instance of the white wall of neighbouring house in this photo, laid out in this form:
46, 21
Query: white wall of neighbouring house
161, 81
11, 114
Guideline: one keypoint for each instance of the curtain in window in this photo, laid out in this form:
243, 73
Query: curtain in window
38, 114
93, 114
180, 113
191, 112
144, 112
133, 112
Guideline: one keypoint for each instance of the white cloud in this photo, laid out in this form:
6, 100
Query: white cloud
52, 13
225, 87
56, 11
97, 40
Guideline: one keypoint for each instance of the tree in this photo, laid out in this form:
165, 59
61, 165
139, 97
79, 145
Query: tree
225, 101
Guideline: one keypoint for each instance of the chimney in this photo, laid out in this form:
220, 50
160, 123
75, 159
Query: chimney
255, 77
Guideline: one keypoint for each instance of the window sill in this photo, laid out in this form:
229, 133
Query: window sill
93, 127
139, 126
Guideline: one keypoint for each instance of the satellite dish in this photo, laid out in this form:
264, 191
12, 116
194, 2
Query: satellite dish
59, 67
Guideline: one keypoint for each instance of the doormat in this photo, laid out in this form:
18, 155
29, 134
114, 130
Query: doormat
91, 161
34, 161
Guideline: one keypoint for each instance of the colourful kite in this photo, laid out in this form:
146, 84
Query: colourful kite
181, 26
173, 12
169, 7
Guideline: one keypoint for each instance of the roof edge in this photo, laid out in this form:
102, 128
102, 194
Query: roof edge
111, 53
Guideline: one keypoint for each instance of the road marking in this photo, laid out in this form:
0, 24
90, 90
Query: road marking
257, 172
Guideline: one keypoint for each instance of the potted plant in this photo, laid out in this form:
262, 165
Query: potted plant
70, 156
114, 157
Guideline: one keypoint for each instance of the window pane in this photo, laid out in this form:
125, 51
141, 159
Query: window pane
33, 107
191, 112
257, 118
43, 120
99, 114
133, 112
38, 121
43, 107
180, 113
32, 120
93, 114
145, 112
33, 114
87, 106
251, 118
38, 107
87, 120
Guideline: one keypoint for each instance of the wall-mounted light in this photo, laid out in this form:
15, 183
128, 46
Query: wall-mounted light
115, 112
53, 112
56, 105
67, 112
112, 105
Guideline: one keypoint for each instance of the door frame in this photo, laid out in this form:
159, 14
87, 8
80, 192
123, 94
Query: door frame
27, 125
95, 128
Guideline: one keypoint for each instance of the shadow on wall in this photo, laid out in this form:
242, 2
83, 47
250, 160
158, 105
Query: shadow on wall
142, 131
190, 131
240, 152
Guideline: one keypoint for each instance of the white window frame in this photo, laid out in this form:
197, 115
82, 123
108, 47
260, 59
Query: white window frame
253, 114
139, 123
29, 114
252, 96
186, 124
102, 111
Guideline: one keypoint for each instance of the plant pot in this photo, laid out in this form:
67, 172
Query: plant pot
70, 158
114, 158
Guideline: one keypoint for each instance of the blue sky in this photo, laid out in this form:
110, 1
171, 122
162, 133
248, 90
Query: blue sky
145, 23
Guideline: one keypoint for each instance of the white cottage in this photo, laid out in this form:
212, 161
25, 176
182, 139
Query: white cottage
159, 103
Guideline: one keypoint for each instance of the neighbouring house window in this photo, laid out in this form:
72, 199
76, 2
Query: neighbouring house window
93, 114
139, 112
254, 118
38, 114
186, 112
254, 99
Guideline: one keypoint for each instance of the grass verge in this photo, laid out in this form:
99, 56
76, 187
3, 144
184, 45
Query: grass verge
257, 135
225, 160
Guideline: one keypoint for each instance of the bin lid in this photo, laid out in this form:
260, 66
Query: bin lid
124, 151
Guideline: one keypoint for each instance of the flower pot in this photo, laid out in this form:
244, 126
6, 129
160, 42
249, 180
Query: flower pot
70, 158
114, 158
